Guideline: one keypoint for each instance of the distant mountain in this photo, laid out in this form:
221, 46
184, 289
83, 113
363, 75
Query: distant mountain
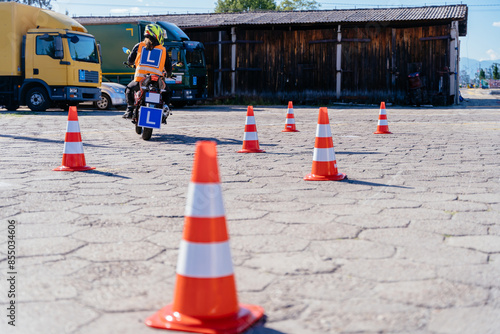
471, 66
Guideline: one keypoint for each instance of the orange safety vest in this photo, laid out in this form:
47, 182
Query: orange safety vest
149, 61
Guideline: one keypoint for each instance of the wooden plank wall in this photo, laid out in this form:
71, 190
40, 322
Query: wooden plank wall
432, 56
299, 63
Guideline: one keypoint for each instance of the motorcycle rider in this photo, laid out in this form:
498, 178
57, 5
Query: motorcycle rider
149, 57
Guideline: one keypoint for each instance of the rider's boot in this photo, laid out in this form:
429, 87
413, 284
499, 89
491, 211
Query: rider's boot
129, 112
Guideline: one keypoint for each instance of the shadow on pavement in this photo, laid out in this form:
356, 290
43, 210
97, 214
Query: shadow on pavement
183, 139
361, 152
59, 112
98, 172
374, 184
259, 328
44, 140
262, 330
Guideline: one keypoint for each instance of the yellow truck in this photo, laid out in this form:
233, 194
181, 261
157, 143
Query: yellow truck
47, 59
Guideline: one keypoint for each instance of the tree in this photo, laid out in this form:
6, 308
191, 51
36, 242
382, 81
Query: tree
298, 5
482, 75
230, 6
38, 3
496, 74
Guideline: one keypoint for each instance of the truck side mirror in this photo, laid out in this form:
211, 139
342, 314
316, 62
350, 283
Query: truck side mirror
100, 53
59, 51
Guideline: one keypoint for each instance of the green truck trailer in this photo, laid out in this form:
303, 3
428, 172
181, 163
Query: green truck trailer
189, 72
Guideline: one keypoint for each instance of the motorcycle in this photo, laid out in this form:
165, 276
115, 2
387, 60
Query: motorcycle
416, 89
151, 104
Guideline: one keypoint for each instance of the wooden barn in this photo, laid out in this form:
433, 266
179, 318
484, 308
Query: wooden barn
358, 55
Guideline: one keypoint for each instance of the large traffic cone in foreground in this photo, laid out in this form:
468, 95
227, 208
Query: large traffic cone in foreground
290, 120
324, 167
383, 125
250, 138
205, 299
73, 157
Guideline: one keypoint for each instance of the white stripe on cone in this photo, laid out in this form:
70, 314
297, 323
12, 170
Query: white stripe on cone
204, 200
323, 130
383, 122
204, 260
290, 121
247, 136
383, 112
250, 120
73, 126
324, 154
73, 148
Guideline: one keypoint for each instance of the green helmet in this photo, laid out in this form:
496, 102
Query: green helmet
156, 31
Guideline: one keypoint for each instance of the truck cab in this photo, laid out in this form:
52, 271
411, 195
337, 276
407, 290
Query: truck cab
47, 59
189, 69
188, 83
59, 66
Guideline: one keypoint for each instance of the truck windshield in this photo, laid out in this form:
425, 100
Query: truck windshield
176, 58
83, 48
195, 58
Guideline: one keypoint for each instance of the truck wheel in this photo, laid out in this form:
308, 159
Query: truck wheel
37, 99
104, 103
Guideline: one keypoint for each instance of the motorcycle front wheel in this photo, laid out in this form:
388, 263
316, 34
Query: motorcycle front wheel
146, 133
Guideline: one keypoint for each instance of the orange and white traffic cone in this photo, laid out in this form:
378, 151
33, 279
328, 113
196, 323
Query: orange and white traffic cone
290, 119
383, 125
73, 157
324, 167
250, 138
205, 299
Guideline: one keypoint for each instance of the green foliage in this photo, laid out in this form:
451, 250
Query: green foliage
482, 75
37, 3
298, 5
231, 6
496, 74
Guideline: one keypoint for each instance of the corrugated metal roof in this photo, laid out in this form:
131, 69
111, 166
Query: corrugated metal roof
430, 13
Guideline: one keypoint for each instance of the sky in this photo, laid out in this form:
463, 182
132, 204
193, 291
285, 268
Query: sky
483, 28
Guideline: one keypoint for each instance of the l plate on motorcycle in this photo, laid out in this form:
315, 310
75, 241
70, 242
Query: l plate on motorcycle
152, 97
150, 117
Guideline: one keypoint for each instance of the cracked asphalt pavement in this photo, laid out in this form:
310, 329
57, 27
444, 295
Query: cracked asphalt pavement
410, 243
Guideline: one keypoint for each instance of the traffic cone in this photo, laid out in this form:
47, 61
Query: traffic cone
324, 167
250, 138
205, 299
73, 157
383, 125
290, 119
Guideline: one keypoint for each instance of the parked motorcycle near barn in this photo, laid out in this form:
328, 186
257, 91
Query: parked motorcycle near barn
415, 89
